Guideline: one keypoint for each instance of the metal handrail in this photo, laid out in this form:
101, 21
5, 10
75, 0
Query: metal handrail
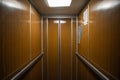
93, 68
26, 68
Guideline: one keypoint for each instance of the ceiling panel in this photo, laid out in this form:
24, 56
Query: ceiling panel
74, 9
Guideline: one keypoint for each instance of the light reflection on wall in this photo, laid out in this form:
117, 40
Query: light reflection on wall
61, 21
106, 4
13, 4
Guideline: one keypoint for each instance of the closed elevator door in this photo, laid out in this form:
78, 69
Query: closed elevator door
59, 54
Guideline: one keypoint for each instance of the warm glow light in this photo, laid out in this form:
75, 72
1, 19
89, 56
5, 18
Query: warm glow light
107, 4
14, 4
59, 3
61, 21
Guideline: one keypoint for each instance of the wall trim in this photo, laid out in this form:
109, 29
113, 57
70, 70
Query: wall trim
71, 46
76, 47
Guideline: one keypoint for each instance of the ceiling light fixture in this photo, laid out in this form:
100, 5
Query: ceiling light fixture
59, 3
61, 21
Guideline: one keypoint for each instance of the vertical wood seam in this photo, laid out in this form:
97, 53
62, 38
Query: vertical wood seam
76, 47
47, 45
71, 44
42, 43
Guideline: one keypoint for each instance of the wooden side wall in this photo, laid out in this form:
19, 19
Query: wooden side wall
20, 38
100, 41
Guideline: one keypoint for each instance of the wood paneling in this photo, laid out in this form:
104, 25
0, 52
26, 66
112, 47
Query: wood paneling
15, 37
52, 50
104, 36
1, 66
36, 72
52, 66
35, 33
74, 50
65, 47
45, 49
84, 73
104, 41
83, 46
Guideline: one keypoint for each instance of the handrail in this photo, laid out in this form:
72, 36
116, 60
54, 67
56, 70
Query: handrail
26, 68
93, 68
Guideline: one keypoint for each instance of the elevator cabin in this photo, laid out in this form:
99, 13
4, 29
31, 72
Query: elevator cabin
59, 39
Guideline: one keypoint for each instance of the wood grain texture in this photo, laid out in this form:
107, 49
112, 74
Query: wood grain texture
35, 73
83, 46
45, 49
84, 73
15, 37
104, 40
35, 33
74, 50
104, 36
52, 50
1, 62
65, 54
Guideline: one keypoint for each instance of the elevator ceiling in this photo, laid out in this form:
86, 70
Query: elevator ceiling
74, 9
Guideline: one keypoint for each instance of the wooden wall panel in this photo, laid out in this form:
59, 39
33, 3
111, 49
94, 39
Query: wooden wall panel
65, 54
74, 50
15, 37
83, 45
84, 73
104, 36
104, 41
35, 33
45, 49
36, 72
52, 50
1, 66
26, 76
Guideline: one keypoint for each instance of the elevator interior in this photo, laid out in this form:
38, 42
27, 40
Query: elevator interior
79, 42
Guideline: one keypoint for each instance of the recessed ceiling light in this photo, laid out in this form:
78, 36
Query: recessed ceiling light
61, 21
59, 3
